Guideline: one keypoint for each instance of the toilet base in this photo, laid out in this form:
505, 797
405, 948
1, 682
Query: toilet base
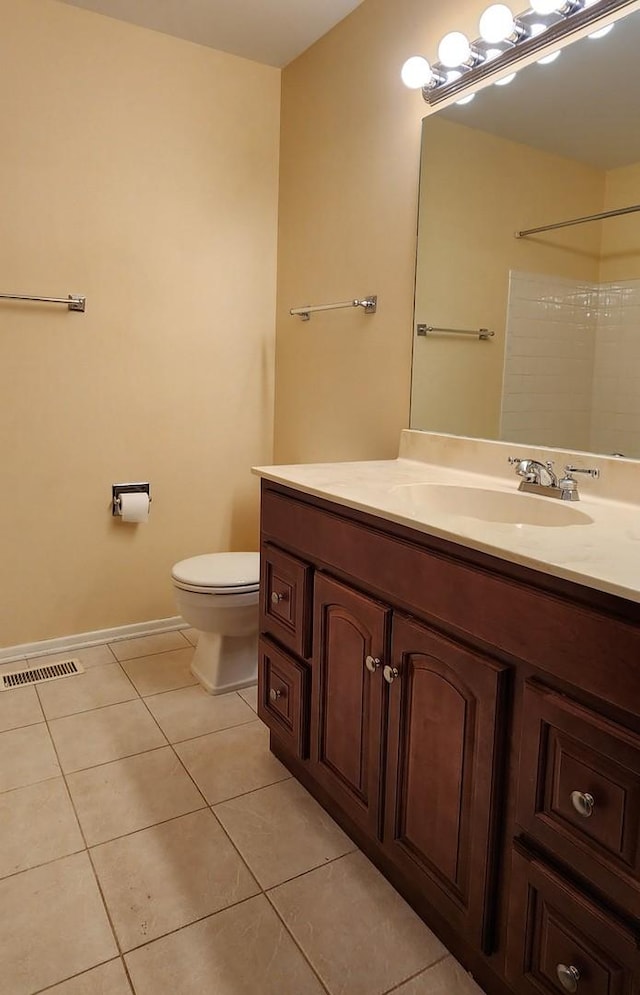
225, 663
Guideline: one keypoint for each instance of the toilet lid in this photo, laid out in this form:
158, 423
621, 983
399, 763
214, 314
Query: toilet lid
230, 572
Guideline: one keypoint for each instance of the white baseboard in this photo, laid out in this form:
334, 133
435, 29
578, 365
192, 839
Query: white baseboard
64, 644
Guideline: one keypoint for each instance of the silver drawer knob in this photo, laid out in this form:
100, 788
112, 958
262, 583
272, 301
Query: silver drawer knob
568, 977
274, 694
584, 803
372, 663
390, 674
276, 598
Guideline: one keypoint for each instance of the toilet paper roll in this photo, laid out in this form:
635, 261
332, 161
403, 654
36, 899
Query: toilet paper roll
134, 507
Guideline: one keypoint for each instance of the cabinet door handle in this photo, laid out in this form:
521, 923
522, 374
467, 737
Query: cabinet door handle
583, 802
568, 977
390, 674
372, 663
274, 694
277, 597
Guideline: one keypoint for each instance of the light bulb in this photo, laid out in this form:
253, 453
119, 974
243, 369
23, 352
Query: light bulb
454, 49
505, 80
601, 32
497, 23
466, 100
537, 29
548, 6
416, 72
549, 58
453, 75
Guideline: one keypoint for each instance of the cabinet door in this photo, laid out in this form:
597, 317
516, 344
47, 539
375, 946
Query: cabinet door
346, 728
443, 773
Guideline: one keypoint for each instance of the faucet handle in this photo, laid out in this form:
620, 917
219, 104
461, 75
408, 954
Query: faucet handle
590, 471
513, 460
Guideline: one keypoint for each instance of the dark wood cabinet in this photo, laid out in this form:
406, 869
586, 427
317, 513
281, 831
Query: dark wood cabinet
475, 727
283, 697
579, 791
347, 737
561, 941
445, 705
285, 598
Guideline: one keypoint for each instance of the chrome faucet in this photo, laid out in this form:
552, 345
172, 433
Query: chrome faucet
539, 478
534, 472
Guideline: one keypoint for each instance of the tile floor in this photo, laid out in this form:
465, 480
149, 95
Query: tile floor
150, 843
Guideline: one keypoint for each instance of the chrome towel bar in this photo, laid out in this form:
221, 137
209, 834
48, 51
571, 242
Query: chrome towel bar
73, 301
369, 304
480, 333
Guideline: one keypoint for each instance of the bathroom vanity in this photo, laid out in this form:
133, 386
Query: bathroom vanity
465, 702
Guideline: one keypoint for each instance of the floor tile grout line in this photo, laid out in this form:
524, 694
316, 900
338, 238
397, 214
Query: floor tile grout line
418, 974
127, 756
116, 760
143, 829
42, 780
80, 974
309, 870
236, 725
187, 925
95, 708
201, 793
88, 853
27, 725
244, 794
73, 652
143, 656
43, 863
52, 718
298, 946
179, 687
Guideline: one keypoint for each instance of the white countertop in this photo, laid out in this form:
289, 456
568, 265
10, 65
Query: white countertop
603, 554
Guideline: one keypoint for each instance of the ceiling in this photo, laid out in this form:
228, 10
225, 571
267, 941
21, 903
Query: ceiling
269, 31
583, 106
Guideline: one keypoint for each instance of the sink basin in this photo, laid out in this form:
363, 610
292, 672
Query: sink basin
510, 508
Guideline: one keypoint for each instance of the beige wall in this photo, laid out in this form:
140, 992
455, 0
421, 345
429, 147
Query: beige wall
348, 199
141, 171
621, 236
476, 190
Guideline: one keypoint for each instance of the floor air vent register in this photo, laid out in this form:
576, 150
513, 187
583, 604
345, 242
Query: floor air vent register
38, 675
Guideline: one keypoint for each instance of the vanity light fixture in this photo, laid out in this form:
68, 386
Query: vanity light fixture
454, 50
416, 72
554, 6
548, 59
504, 40
498, 24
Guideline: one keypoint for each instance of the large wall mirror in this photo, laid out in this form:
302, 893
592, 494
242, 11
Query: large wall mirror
561, 141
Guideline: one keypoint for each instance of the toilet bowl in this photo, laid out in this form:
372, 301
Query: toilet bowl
217, 594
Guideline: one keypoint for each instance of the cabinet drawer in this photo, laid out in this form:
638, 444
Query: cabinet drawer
285, 598
580, 792
283, 697
559, 940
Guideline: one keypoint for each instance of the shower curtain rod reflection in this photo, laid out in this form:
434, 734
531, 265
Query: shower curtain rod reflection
633, 209
73, 301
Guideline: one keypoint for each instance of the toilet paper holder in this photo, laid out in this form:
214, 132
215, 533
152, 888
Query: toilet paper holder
118, 489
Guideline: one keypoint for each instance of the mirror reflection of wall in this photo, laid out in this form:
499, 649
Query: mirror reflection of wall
563, 368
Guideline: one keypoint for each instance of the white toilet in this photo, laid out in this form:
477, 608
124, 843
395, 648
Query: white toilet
217, 594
